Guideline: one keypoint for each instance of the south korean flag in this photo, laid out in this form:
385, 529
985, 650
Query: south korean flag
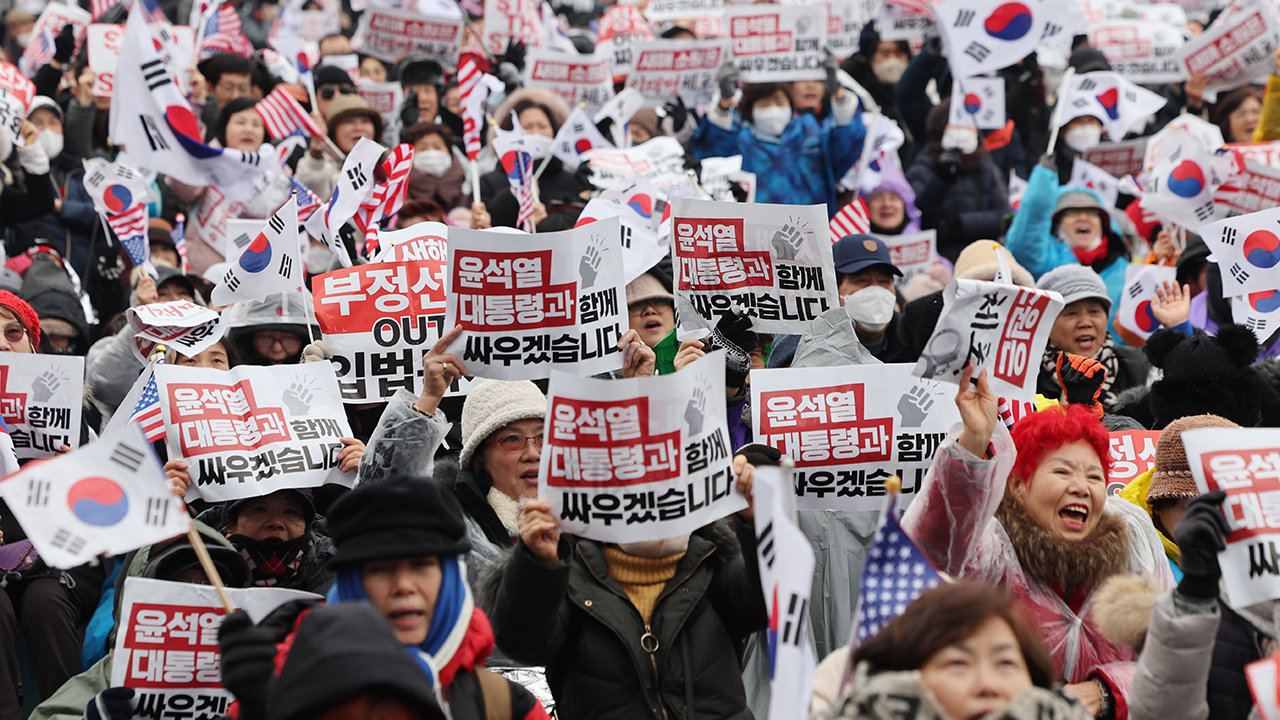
107, 498
269, 264
984, 35
978, 102
1247, 250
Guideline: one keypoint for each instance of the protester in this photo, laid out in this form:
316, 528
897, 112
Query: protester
540, 114
437, 176
273, 331
348, 119
1238, 114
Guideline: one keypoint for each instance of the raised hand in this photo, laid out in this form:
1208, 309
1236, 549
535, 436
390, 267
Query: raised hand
1172, 304
978, 411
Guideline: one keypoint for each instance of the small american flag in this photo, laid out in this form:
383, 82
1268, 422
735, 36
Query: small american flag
147, 412
223, 22
100, 7
282, 115
38, 53
468, 79
179, 236
131, 227
895, 575
308, 202
851, 220
386, 198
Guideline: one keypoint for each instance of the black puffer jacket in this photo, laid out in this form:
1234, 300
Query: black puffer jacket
577, 621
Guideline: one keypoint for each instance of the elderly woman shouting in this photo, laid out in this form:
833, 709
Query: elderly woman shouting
1028, 511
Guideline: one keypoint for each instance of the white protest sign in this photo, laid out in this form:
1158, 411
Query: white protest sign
104, 53
719, 172
1119, 158
1235, 50
898, 22
1255, 189
639, 459
664, 69
1000, 328
251, 430
845, 20
1244, 462
1247, 249
773, 43
1140, 50
423, 241
786, 565
661, 159
179, 325
1140, 284
576, 79
16, 93
508, 20
1264, 153
621, 26
531, 302
109, 497
41, 398
385, 97
1264, 686
850, 428
392, 34
912, 253
167, 642
381, 318
667, 10
772, 262
978, 102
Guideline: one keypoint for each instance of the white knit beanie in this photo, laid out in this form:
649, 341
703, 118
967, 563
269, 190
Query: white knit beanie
492, 405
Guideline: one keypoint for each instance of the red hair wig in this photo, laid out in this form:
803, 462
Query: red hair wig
1050, 429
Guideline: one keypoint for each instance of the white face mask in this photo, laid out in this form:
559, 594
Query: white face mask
1083, 138
772, 120
542, 143
890, 71
871, 307
432, 162
964, 139
51, 142
24, 39
656, 548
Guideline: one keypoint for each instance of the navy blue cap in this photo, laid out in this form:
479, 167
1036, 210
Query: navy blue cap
859, 252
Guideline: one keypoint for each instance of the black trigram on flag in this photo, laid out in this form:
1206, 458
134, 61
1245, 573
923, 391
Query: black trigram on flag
155, 74
65, 540
765, 543
127, 457
793, 626
276, 224
38, 493
157, 511
357, 177
1229, 236
963, 18
231, 281
286, 267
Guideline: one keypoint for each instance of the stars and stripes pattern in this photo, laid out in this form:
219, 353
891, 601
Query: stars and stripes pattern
387, 197
179, 236
38, 52
474, 87
895, 575
851, 220
147, 412
130, 226
100, 7
308, 202
283, 115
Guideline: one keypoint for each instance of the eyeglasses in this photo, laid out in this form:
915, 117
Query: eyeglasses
638, 308
14, 333
241, 88
328, 91
288, 341
517, 443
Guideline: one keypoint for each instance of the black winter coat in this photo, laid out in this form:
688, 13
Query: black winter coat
577, 621
557, 186
970, 208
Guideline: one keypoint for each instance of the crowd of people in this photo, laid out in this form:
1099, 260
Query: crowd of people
1063, 601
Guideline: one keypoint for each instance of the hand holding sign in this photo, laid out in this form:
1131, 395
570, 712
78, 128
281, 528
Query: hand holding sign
1201, 535
539, 530
978, 411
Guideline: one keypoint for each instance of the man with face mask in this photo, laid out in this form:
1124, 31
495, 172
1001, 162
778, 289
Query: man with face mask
865, 275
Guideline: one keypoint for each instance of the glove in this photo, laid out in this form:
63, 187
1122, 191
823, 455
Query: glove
409, 110
727, 79
948, 165
677, 113
733, 334
114, 703
1201, 535
1049, 160
64, 46
514, 54
739, 192
248, 662
509, 74
317, 351
830, 65
1081, 380
691, 163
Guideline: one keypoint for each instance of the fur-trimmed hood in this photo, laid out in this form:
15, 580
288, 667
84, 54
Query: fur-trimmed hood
1061, 563
1122, 608
559, 108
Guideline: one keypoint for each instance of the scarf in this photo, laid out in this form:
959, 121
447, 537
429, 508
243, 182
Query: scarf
1106, 355
1088, 257
449, 619
273, 563
1064, 563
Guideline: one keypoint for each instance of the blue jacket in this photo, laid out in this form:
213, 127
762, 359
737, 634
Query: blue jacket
801, 167
1034, 244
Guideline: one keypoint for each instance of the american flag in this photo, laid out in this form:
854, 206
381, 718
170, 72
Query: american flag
895, 575
223, 22
851, 220
38, 53
474, 87
147, 412
282, 115
387, 197
1011, 411
179, 236
131, 227
100, 7
308, 202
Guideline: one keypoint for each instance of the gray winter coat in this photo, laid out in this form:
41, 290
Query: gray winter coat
1172, 677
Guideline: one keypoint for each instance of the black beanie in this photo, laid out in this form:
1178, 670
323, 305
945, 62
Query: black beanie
1204, 375
1087, 58
399, 517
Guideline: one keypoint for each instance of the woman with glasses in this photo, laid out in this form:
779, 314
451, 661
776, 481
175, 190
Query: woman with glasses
271, 331
1238, 114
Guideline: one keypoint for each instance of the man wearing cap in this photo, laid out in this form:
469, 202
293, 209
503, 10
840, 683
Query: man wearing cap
331, 82
276, 536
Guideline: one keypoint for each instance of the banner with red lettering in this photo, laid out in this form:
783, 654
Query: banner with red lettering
167, 643
1245, 462
1257, 188
531, 302
666, 10
104, 53
1141, 50
639, 459
845, 20
1236, 49
16, 93
381, 318
508, 20
665, 69
776, 43
577, 79
912, 253
252, 430
390, 35
772, 262
1133, 452
179, 325
41, 400
997, 327
1119, 158
849, 428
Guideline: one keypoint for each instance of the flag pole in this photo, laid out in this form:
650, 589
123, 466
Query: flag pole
206, 562
475, 181
1063, 88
